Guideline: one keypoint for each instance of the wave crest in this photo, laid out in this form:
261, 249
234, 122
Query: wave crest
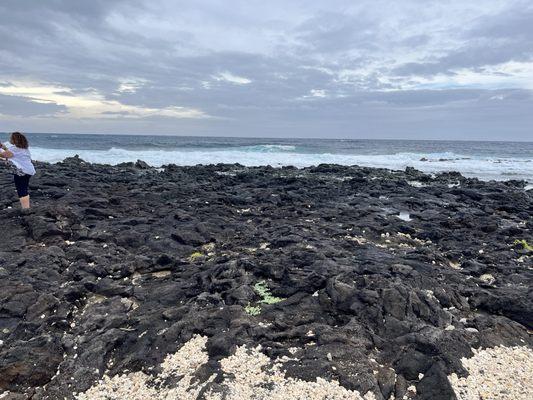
482, 167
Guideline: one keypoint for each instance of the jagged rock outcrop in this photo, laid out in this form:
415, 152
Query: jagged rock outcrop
376, 282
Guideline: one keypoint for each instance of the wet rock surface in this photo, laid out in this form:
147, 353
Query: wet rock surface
379, 280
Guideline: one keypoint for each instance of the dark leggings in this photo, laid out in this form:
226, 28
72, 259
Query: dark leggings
22, 182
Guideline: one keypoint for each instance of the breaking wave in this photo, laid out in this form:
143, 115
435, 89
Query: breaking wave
281, 155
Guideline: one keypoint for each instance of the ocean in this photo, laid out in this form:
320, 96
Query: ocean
485, 160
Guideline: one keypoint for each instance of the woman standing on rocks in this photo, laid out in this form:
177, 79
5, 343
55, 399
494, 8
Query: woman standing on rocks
18, 159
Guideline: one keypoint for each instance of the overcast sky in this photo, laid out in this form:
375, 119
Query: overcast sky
348, 69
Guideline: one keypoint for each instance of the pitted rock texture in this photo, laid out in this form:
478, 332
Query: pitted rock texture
115, 267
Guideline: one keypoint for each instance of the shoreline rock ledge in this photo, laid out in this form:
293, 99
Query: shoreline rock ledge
233, 282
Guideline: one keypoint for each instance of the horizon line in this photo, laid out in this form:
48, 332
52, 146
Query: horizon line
275, 137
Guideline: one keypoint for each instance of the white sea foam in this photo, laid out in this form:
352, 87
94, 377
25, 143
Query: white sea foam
482, 167
268, 148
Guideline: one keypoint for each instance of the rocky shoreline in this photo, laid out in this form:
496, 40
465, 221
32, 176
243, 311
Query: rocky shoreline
376, 281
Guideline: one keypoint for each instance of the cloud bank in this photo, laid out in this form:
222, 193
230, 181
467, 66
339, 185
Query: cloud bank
367, 69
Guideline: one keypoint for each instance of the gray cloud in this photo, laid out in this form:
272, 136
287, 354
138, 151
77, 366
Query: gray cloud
23, 107
341, 69
487, 41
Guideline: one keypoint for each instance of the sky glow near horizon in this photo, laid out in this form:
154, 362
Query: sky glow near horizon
369, 69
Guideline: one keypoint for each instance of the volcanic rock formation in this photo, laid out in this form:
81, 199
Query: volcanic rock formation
380, 280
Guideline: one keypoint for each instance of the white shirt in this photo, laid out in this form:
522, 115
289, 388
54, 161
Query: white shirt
21, 159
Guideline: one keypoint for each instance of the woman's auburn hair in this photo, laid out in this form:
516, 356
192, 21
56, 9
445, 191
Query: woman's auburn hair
19, 140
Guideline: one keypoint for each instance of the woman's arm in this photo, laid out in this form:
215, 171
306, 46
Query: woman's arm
6, 154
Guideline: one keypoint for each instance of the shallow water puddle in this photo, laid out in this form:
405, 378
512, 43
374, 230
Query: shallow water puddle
404, 216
